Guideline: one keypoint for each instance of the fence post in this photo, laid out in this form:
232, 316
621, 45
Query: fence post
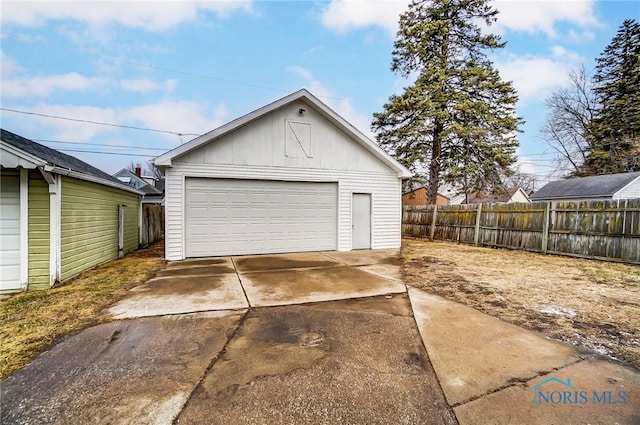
545, 227
476, 235
433, 221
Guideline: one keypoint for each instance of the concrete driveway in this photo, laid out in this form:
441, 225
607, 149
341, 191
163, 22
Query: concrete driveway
235, 283
311, 338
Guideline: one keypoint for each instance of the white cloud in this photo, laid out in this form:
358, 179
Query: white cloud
9, 66
29, 38
304, 73
176, 116
342, 106
44, 86
146, 85
580, 36
149, 15
221, 112
530, 16
343, 15
140, 85
533, 16
58, 129
181, 116
535, 77
565, 54
312, 51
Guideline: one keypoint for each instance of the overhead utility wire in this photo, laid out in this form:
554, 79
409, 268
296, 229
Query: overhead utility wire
106, 153
131, 127
207, 77
99, 144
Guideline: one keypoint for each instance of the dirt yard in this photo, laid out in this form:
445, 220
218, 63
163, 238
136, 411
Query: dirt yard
587, 303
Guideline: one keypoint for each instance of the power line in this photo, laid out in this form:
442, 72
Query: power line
99, 144
131, 127
106, 153
207, 77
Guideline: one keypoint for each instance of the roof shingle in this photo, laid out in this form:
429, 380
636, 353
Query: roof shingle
54, 157
585, 187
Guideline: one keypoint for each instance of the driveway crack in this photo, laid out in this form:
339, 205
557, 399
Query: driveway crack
518, 381
246, 297
212, 363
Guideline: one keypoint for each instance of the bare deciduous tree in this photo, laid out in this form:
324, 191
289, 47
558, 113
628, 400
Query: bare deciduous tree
521, 179
132, 166
153, 171
570, 110
148, 170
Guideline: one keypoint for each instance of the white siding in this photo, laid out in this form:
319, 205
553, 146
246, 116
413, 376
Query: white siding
263, 143
384, 188
519, 196
630, 191
265, 149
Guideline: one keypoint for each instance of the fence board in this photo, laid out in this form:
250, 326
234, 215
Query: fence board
591, 229
152, 223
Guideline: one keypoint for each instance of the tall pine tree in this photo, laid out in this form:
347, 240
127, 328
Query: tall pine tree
614, 137
457, 120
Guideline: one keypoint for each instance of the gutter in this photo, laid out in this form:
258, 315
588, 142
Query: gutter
89, 178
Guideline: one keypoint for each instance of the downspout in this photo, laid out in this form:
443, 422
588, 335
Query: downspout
55, 192
139, 221
24, 228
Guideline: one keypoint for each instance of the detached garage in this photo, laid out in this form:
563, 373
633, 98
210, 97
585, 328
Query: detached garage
291, 176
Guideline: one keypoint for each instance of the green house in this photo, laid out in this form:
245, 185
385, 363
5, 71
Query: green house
59, 215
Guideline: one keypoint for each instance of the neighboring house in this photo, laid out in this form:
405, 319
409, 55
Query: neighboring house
152, 195
510, 195
290, 176
606, 187
60, 215
457, 198
157, 183
419, 197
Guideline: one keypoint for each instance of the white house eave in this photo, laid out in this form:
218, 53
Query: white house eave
31, 161
165, 160
521, 190
89, 178
637, 179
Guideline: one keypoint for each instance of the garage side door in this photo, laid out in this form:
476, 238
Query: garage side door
236, 217
9, 232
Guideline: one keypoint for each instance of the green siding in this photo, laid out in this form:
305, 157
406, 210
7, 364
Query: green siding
89, 224
38, 231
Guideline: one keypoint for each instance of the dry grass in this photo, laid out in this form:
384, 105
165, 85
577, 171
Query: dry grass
31, 321
589, 303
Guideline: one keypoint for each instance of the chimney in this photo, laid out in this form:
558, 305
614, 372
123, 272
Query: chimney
138, 171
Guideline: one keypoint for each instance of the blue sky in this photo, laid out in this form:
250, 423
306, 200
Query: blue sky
187, 67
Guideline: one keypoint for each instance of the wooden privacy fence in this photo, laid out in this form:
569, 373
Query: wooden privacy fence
152, 223
606, 230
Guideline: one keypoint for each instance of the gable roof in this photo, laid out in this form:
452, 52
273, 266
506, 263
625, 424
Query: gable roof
425, 189
304, 95
138, 182
484, 196
61, 163
586, 187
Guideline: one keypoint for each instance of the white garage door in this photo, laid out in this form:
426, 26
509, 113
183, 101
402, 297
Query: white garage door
235, 217
10, 232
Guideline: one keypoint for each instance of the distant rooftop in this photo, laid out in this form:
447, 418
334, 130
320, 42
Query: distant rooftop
586, 187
